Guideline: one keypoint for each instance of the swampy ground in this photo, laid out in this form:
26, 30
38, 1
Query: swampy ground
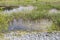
29, 15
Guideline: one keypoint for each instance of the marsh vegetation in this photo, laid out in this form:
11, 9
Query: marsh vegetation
32, 11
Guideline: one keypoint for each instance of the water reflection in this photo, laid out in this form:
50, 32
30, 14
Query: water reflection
42, 24
20, 9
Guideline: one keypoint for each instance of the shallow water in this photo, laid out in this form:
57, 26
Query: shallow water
42, 25
23, 9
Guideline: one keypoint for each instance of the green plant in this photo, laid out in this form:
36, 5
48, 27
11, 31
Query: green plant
3, 22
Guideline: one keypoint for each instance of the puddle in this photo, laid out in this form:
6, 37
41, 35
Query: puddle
30, 25
23, 9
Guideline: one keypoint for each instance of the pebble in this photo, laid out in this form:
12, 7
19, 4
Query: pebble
35, 36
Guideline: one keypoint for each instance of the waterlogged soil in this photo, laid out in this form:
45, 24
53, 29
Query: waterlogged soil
41, 25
